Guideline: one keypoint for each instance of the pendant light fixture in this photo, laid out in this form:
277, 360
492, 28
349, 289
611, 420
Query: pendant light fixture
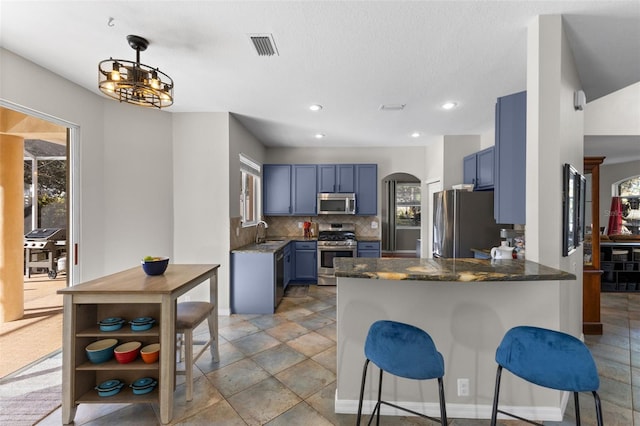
133, 82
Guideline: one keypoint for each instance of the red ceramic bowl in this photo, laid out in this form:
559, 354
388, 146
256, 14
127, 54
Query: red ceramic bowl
127, 352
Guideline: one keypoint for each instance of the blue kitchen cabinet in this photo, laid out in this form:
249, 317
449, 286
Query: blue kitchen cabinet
366, 189
305, 264
336, 178
510, 159
478, 169
256, 282
303, 189
368, 248
276, 189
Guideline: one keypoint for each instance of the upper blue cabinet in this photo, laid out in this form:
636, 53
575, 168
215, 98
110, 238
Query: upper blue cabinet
302, 191
291, 189
366, 189
336, 178
478, 169
276, 189
511, 159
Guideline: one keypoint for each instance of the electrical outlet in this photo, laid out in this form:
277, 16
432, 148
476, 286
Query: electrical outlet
299, 225
374, 225
463, 387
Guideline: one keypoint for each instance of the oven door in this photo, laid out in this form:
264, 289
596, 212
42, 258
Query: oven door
326, 254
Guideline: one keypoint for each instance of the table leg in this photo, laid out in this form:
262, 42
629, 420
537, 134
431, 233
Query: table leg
167, 357
213, 318
69, 344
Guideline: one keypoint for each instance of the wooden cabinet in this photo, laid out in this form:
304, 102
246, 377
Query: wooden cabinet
288, 265
592, 274
305, 264
510, 159
303, 190
620, 264
478, 169
276, 189
366, 189
368, 248
336, 178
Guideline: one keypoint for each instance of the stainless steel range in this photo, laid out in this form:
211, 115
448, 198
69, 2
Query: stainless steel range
334, 240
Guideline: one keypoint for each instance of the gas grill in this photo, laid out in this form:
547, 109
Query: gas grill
42, 249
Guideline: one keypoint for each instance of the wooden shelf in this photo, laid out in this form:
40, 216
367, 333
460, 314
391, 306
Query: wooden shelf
125, 396
112, 365
125, 331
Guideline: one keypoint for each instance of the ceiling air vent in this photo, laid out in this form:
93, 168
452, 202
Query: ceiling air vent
392, 107
264, 44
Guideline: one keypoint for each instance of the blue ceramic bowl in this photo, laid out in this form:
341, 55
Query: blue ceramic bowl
111, 324
143, 385
142, 323
155, 267
109, 387
101, 351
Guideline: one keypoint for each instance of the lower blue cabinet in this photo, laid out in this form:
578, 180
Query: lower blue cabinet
305, 264
257, 282
368, 248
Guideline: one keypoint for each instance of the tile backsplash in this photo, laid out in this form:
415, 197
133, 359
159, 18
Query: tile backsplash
287, 226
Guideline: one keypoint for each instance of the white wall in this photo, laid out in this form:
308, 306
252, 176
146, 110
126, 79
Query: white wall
614, 114
456, 147
554, 137
201, 194
138, 176
240, 141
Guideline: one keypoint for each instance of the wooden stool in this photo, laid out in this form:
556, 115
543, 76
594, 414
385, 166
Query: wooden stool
188, 316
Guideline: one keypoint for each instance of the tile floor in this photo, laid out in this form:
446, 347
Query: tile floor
280, 370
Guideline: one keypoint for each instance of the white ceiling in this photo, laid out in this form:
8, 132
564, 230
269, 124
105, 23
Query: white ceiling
349, 56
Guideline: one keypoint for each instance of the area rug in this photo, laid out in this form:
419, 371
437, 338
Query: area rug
296, 291
32, 394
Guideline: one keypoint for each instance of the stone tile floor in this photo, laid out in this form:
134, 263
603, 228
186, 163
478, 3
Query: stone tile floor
280, 370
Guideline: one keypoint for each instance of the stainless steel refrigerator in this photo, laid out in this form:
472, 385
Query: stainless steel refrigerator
463, 220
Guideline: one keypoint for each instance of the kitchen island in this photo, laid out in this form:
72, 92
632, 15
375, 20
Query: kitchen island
466, 305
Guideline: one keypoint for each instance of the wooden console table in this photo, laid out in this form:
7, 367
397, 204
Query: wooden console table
128, 294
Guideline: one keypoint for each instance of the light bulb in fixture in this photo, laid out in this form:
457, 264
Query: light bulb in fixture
316, 107
320, 135
449, 105
415, 134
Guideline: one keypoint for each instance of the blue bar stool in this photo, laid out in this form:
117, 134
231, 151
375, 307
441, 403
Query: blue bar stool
405, 351
550, 359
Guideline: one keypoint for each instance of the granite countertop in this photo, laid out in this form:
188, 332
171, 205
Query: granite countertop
447, 269
271, 245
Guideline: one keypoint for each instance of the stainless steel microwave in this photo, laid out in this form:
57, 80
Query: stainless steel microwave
336, 203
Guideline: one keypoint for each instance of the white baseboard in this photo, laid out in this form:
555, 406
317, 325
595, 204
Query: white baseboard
461, 411
224, 312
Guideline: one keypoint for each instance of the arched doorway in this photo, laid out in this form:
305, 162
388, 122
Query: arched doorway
401, 215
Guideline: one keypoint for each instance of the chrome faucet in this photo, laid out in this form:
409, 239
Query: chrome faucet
261, 239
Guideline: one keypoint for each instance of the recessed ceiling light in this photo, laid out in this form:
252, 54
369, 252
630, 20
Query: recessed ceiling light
320, 135
415, 134
316, 107
449, 105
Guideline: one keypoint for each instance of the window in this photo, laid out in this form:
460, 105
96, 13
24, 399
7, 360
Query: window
629, 187
249, 191
408, 204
